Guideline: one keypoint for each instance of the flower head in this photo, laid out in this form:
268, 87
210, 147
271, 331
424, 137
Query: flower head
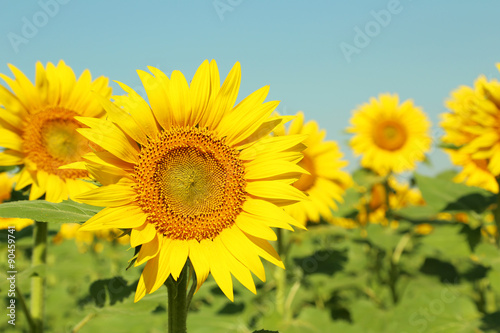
391, 137
194, 177
325, 181
38, 128
473, 127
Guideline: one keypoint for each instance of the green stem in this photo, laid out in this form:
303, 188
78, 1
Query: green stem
192, 290
26, 311
388, 210
496, 213
39, 258
396, 253
177, 302
82, 323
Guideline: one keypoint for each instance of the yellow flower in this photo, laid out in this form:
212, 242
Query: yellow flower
37, 128
325, 182
89, 239
474, 172
373, 208
6, 184
424, 229
391, 137
194, 177
473, 126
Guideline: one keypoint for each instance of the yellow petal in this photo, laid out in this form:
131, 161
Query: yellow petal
252, 225
10, 140
109, 137
219, 269
180, 252
11, 157
266, 251
140, 111
140, 292
275, 190
56, 189
125, 217
149, 250
199, 261
242, 249
178, 99
142, 234
250, 122
123, 120
225, 99
199, 92
154, 86
113, 195
267, 169
266, 210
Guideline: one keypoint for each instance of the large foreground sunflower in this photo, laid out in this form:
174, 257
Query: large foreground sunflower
325, 182
391, 137
473, 127
37, 127
194, 177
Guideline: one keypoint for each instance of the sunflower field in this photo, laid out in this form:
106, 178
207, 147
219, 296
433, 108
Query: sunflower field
131, 213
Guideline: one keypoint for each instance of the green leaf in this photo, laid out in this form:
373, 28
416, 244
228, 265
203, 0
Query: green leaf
43, 211
446, 145
348, 207
383, 237
494, 277
447, 175
366, 177
448, 241
416, 213
445, 195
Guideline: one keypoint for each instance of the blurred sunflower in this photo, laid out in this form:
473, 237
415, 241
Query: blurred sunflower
391, 137
474, 172
86, 240
37, 128
373, 208
473, 126
325, 182
194, 177
6, 187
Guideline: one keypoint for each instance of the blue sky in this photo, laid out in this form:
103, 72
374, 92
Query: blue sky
419, 49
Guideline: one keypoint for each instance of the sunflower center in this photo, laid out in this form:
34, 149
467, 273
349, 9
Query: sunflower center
61, 140
50, 140
390, 135
190, 183
305, 181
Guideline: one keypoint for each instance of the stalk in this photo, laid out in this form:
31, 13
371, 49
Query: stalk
496, 213
177, 302
39, 258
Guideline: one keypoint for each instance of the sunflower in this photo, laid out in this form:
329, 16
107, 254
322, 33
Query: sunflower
37, 128
391, 137
473, 126
6, 187
474, 172
325, 182
194, 177
86, 240
373, 207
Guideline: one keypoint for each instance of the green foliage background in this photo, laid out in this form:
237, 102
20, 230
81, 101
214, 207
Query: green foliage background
376, 279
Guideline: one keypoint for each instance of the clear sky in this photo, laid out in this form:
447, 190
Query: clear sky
311, 53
